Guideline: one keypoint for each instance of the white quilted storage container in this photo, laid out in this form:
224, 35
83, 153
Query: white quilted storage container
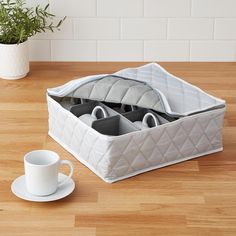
190, 121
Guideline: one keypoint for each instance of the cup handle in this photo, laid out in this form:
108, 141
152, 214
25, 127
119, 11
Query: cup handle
153, 117
96, 109
69, 163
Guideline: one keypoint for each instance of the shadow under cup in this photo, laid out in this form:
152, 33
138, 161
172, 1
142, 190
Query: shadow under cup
41, 172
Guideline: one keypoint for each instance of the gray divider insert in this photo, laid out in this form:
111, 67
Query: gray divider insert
137, 115
81, 109
125, 126
110, 125
113, 125
68, 102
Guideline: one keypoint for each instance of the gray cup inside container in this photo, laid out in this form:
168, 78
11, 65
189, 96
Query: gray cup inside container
137, 115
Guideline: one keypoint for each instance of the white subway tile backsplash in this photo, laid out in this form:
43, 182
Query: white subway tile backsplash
189, 28
214, 8
73, 50
137, 30
225, 28
33, 3
120, 8
167, 8
143, 28
39, 50
75, 8
166, 50
97, 28
126, 50
212, 50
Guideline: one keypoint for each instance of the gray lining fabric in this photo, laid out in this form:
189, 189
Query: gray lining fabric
121, 90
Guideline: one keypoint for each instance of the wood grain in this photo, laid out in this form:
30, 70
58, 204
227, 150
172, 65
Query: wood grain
197, 197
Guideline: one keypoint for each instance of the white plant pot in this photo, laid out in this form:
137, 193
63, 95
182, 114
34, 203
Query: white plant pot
14, 61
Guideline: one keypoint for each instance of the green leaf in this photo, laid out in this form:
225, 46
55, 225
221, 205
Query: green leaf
46, 7
18, 22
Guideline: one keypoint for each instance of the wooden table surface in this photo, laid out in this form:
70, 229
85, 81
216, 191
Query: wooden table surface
197, 197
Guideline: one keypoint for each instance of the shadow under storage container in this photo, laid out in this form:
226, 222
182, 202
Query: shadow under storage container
114, 148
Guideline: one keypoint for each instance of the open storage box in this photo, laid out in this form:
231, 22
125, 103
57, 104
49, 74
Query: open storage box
114, 148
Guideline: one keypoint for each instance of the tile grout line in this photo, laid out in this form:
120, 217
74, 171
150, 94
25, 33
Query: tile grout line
191, 8
143, 8
96, 8
150, 17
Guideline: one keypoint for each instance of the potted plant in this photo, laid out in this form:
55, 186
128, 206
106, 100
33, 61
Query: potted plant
17, 24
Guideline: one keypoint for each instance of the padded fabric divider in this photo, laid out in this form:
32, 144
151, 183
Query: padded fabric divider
81, 109
68, 102
114, 125
137, 115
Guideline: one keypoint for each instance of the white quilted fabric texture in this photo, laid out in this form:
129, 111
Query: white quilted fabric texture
117, 157
181, 98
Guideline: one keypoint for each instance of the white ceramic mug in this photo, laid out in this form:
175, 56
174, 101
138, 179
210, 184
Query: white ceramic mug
41, 172
90, 118
144, 124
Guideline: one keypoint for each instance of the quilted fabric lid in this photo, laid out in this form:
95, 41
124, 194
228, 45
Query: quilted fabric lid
116, 89
149, 86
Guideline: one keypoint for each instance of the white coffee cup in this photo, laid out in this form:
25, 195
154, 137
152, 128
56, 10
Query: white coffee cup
41, 172
144, 124
88, 119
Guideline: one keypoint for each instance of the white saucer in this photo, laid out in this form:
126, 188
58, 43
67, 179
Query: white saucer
18, 187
